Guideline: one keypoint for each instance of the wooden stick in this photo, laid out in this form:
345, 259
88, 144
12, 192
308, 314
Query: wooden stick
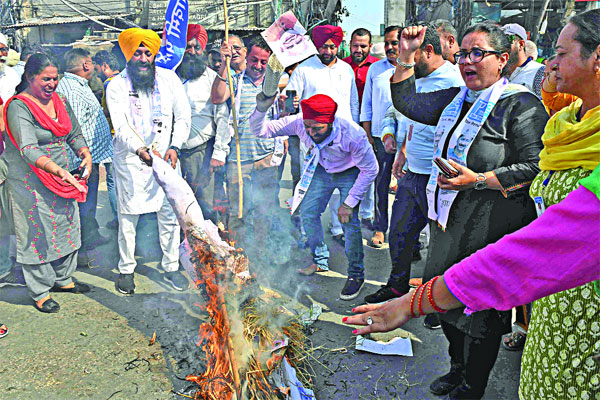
232, 360
235, 121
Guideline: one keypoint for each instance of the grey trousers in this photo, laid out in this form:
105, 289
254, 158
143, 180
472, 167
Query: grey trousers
40, 278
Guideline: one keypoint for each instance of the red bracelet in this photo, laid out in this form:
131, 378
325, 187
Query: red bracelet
421, 313
430, 296
412, 304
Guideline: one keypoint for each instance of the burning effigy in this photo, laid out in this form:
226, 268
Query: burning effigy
255, 346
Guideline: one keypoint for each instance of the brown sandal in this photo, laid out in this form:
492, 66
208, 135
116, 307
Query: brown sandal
310, 270
377, 239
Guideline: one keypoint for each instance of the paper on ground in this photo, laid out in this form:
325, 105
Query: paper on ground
398, 346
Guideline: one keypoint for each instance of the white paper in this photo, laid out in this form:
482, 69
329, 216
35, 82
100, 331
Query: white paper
288, 40
396, 347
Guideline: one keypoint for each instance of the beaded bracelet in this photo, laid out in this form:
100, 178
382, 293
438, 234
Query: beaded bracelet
412, 304
420, 303
430, 296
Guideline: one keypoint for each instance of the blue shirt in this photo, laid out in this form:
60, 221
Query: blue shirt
251, 147
90, 116
377, 96
419, 137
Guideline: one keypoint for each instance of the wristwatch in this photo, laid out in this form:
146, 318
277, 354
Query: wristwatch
480, 182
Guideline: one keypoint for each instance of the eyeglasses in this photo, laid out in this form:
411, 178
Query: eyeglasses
3, 49
237, 48
475, 55
512, 38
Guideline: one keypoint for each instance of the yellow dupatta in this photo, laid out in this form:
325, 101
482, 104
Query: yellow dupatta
569, 143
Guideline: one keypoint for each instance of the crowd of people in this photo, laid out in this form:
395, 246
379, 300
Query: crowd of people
484, 142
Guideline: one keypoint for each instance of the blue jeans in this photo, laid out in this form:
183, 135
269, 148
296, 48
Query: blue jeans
314, 204
110, 187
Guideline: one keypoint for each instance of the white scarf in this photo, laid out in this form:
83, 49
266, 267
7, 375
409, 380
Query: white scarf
440, 200
310, 165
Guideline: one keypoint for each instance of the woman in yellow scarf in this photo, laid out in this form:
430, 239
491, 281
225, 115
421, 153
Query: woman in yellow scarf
564, 333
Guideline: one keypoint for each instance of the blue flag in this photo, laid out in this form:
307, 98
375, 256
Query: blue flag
174, 35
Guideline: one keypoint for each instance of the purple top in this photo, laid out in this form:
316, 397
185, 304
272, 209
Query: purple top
349, 149
556, 252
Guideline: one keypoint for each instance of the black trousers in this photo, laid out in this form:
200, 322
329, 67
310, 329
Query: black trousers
476, 356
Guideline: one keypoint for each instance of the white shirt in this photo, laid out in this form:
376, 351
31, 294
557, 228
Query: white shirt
138, 192
377, 96
313, 77
529, 75
208, 119
9, 80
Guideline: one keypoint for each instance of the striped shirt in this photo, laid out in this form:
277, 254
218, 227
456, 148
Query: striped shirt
90, 116
251, 147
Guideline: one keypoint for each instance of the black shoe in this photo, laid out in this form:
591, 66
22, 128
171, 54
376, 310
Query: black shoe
50, 306
125, 284
77, 289
14, 277
464, 392
339, 239
352, 288
432, 322
447, 383
382, 295
177, 280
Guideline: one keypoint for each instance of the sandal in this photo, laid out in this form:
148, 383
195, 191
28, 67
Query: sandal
377, 239
514, 341
310, 270
3, 330
49, 306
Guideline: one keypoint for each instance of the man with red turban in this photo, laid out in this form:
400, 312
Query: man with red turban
339, 157
324, 73
148, 108
208, 143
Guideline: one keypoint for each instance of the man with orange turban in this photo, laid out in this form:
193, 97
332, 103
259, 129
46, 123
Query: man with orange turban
339, 157
208, 144
324, 73
149, 109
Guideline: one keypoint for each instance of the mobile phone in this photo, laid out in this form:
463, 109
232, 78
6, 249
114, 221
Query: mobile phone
289, 102
445, 168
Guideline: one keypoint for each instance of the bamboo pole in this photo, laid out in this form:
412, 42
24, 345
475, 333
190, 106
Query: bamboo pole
235, 121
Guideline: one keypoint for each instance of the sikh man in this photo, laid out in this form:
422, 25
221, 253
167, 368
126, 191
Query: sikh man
148, 108
376, 100
74, 85
339, 157
522, 69
323, 74
208, 143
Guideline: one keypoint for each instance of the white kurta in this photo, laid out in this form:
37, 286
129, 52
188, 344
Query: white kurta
137, 190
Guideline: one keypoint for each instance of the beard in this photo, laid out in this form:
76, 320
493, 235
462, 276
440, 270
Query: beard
359, 57
513, 59
142, 81
192, 66
421, 69
327, 59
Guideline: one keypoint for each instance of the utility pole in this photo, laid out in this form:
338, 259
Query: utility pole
538, 23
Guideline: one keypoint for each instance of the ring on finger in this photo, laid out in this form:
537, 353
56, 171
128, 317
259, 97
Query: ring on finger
369, 321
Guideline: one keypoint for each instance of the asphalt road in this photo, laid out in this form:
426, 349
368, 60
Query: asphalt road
97, 347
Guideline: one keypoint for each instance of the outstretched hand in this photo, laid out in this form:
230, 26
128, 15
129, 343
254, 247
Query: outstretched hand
385, 317
70, 179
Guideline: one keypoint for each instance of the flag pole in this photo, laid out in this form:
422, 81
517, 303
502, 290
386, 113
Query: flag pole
235, 121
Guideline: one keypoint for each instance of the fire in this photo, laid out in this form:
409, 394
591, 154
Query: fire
221, 379
225, 275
